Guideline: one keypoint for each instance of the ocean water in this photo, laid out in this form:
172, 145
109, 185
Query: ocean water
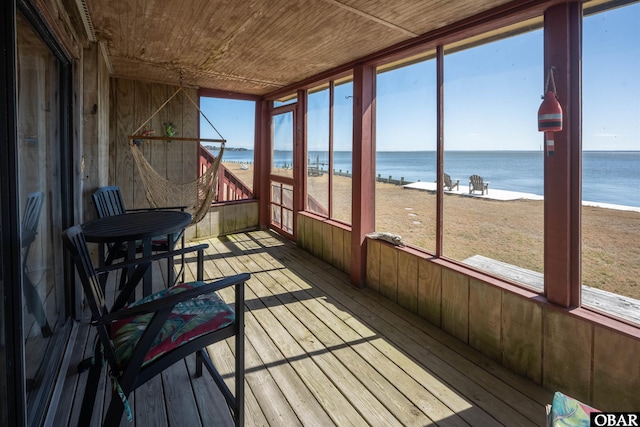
607, 176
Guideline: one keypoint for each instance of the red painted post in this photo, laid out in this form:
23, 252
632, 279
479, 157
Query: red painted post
440, 150
364, 151
300, 156
262, 162
562, 204
332, 88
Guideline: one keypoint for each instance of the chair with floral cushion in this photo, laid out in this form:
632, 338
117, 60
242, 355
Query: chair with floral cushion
143, 338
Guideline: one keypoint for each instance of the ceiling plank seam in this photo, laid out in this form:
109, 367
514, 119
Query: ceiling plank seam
372, 18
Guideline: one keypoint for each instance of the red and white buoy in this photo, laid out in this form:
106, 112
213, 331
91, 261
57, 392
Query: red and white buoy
550, 115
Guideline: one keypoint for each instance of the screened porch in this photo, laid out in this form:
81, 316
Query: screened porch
319, 352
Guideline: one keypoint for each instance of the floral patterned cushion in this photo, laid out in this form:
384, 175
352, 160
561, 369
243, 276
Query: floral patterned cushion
566, 411
187, 321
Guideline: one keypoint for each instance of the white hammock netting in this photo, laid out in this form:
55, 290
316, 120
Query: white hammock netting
196, 195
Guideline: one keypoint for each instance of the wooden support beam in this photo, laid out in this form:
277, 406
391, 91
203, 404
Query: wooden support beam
440, 149
262, 166
364, 152
562, 192
300, 157
174, 138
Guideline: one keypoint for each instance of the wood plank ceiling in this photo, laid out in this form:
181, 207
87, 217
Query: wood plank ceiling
259, 46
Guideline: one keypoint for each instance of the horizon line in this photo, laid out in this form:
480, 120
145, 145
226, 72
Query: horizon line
468, 150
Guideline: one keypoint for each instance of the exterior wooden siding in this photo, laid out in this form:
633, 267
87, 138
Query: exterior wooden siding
586, 355
132, 104
226, 218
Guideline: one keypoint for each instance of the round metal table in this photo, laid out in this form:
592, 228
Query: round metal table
134, 227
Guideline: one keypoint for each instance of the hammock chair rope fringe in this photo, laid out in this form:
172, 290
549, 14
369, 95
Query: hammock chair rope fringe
196, 195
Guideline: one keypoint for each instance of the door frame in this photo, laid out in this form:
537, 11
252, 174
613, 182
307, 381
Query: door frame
296, 181
18, 411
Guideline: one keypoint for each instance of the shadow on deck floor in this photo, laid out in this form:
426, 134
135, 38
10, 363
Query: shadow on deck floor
320, 352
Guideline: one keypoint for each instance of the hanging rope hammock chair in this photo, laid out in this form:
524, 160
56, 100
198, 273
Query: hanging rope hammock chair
196, 195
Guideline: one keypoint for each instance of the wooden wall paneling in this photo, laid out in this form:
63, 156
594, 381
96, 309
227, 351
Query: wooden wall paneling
455, 304
240, 217
567, 349
225, 219
215, 221
90, 177
485, 314
308, 232
337, 255
253, 214
522, 336
105, 121
157, 157
113, 133
316, 238
190, 129
616, 372
327, 242
373, 264
228, 215
191, 233
123, 165
389, 271
308, 229
347, 252
203, 227
429, 291
242, 221
174, 150
142, 111
301, 235
408, 281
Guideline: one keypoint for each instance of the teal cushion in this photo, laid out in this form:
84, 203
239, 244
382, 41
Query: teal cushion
569, 412
187, 321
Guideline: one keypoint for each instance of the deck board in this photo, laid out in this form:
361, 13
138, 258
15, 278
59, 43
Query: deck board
321, 352
377, 320
317, 329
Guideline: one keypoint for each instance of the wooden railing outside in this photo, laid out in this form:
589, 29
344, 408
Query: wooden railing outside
314, 206
229, 186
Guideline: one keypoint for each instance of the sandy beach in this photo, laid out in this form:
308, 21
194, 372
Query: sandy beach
508, 229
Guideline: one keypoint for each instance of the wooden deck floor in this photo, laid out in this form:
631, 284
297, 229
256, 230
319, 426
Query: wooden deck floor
320, 352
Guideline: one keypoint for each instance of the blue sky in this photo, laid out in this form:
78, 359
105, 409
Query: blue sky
611, 71
492, 95
233, 118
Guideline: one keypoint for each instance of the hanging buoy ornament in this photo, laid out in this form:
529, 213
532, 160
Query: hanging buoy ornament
550, 115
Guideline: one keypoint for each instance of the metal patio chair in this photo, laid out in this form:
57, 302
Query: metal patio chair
108, 201
142, 339
29, 229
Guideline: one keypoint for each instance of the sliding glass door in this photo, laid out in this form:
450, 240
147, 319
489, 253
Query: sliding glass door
41, 132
